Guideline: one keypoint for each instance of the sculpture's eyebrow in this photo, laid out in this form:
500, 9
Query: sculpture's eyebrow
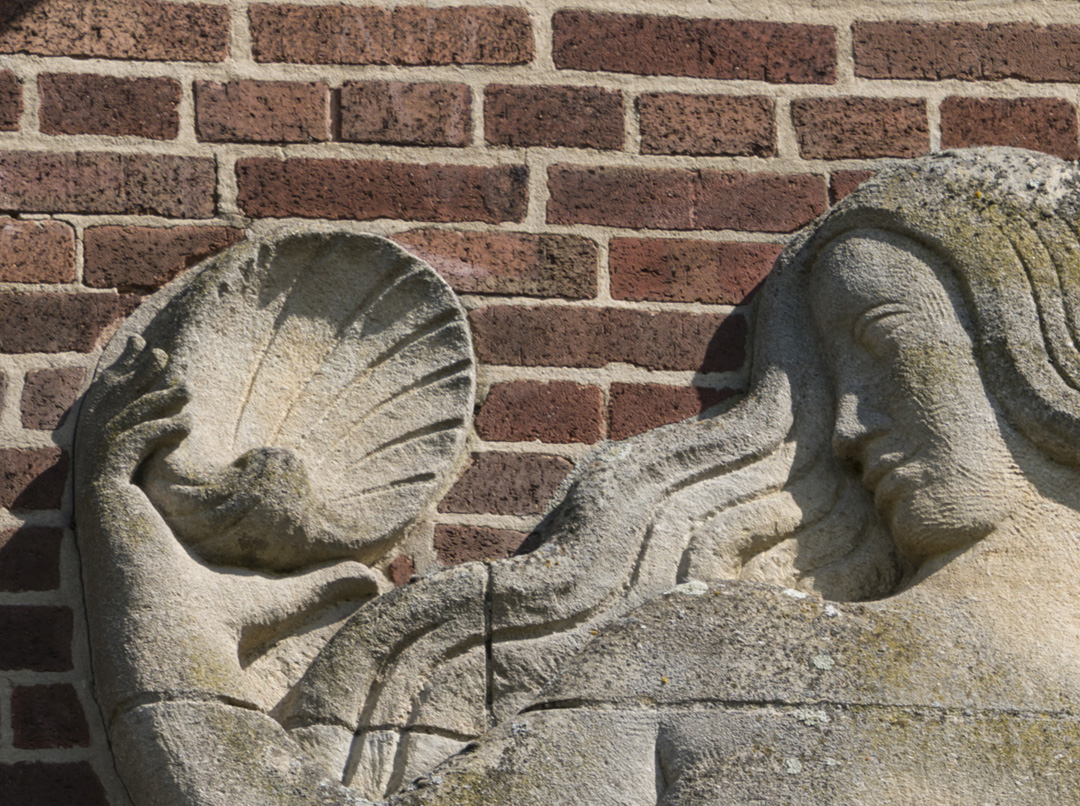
875, 314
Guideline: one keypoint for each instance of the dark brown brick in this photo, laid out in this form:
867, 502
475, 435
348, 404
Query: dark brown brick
337, 34
367, 189
680, 199
36, 638
32, 478
74, 103
967, 50
3, 390
555, 336
704, 125
45, 717
462, 35
51, 784
30, 559
507, 484
36, 251
461, 544
841, 183
262, 111
11, 101
860, 128
636, 408
406, 113
675, 270
576, 117
145, 258
401, 570
48, 395
1041, 124
105, 182
781, 53
510, 263
44, 322
559, 411
106, 29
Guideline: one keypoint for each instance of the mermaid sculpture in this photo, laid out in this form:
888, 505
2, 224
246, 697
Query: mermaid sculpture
854, 586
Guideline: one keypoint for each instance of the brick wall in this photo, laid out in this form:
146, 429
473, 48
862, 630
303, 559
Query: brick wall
604, 189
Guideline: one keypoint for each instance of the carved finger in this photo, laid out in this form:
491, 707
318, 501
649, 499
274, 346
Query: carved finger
132, 446
150, 406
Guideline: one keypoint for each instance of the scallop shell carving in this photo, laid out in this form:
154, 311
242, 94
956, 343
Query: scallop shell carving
331, 382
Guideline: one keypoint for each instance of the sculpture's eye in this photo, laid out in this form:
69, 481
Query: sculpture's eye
875, 328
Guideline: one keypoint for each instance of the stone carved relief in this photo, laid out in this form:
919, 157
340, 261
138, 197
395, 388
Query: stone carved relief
856, 585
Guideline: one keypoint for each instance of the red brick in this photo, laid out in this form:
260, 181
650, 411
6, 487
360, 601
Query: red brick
45, 717
36, 638
860, 128
841, 183
105, 29
73, 103
36, 251
559, 411
462, 35
105, 182
406, 113
337, 34
145, 258
556, 336
705, 125
510, 263
781, 53
51, 784
576, 117
636, 408
461, 544
48, 395
30, 559
507, 484
675, 198
262, 111
967, 50
11, 101
44, 322
401, 570
32, 478
1041, 124
674, 270
368, 189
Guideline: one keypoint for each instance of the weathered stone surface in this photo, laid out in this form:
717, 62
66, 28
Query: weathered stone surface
848, 587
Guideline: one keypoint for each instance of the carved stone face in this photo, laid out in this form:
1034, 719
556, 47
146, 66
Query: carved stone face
912, 414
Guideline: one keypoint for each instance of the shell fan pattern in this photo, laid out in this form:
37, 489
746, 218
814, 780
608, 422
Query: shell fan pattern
331, 383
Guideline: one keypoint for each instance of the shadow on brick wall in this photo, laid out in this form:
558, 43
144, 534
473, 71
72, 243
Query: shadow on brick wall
11, 11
